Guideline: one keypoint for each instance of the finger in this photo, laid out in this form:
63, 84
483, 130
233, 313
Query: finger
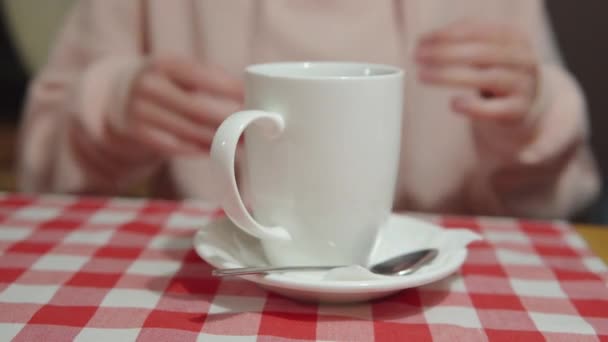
150, 114
126, 149
203, 109
475, 54
216, 108
221, 82
164, 143
195, 76
469, 30
498, 81
206, 136
100, 167
507, 109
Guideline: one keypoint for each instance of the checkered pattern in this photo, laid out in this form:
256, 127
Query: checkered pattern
89, 269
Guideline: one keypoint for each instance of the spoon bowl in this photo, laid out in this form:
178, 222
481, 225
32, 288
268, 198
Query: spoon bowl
400, 265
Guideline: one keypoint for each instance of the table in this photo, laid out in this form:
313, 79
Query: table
76, 268
597, 239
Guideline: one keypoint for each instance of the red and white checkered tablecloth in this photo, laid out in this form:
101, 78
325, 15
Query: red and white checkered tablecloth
74, 268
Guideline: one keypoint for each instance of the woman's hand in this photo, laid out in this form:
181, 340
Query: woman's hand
496, 60
176, 105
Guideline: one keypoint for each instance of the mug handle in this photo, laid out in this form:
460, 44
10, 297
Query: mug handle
223, 152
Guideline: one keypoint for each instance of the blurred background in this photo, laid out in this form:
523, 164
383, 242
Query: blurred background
27, 28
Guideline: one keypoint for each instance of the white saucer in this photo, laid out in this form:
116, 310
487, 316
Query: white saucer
223, 245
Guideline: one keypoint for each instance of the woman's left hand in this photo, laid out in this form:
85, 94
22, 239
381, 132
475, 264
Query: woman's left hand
496, 60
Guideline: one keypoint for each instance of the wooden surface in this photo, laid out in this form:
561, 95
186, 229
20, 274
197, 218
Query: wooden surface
8, 134
597, 238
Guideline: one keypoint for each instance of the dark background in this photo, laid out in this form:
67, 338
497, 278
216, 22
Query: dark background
580, 27
13, 77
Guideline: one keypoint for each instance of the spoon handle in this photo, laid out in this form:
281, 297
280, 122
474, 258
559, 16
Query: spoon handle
257, 270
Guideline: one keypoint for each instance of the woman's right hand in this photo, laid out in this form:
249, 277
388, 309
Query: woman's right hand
176, 104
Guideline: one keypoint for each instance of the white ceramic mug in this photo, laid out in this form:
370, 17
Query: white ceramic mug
322, 150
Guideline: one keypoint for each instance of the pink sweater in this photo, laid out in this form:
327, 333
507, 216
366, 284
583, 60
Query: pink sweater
449, 163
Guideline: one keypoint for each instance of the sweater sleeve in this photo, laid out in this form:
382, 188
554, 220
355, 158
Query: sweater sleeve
543, 167
65, 141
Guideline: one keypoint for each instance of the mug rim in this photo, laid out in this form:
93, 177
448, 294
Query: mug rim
270, 70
